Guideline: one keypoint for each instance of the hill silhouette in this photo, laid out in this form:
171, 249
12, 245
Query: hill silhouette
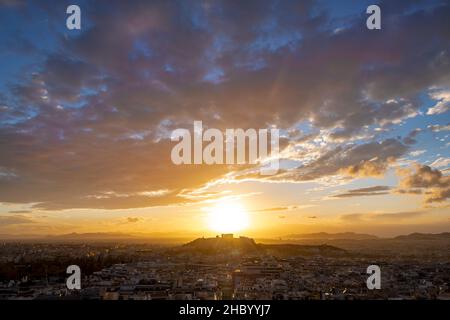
425, 236
223, 245
332, 236
245, 245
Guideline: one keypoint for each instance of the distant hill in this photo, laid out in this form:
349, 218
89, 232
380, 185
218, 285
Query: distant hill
332, 236
160, 238
425, 236
220, 245
303, 250
240, 243
90, 236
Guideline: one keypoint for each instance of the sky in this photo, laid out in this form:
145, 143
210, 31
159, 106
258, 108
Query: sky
86, 116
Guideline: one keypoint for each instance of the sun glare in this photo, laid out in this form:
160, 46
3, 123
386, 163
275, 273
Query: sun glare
228, 216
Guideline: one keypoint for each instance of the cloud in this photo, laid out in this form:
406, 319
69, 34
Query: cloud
20, 211
133, 219
440, 162
398, 216
410, 138
369, 168
286, 208
6, 174
417, 153
272, 209
408, 191
443, 102
381, 217
352, 217
370, 159
370, 191
429, 181
11, 3
91, 122
439, 128
13, 220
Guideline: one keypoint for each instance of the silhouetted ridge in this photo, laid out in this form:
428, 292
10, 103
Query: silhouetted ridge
228, 244
425, 236
223, 244
332, 236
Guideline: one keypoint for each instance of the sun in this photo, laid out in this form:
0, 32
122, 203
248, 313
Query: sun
228, 216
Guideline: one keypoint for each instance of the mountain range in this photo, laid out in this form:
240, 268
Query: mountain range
332, 236
175, 237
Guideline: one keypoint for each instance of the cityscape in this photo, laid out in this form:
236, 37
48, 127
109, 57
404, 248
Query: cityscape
228, 268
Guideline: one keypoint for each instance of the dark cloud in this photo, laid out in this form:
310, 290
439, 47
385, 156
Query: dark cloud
408, 191
410, 138
20, 211
11, 3
370, 159
90, 123
370, 191
133, 219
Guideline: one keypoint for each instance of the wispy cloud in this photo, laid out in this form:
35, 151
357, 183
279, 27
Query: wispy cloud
382, 217
369, 191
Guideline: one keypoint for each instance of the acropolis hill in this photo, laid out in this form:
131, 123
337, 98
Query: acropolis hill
227, 243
